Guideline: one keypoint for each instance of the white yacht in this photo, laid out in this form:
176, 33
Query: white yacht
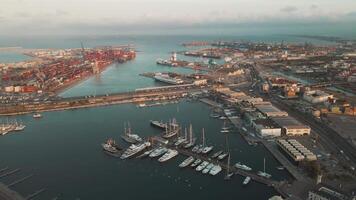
243, 167
206, 150
187, 162
134, 149
196, 163
37, 115
158, 152
216, 154
168, 155
215, 170
202, 166
222, 156
208, 168
247, 180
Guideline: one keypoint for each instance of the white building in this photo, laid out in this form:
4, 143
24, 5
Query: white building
266, 128
316, 96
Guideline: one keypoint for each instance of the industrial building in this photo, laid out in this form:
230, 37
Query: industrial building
296, 151
270, 111
324, 193
316, 96
266, 128
291, 126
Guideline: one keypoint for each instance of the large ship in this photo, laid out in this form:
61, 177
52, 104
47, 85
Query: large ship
172, 129
134, 149
163, 77
168, 155
158, 124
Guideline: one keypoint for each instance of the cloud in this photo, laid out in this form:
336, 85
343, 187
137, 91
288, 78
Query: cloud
313, 7
61, 12
289, 9
23, 14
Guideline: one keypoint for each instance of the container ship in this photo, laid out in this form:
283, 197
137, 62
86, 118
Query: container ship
165, 78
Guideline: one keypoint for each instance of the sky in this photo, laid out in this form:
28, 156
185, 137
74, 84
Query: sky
110, 16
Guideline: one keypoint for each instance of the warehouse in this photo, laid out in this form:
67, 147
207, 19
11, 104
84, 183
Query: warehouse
270, 111
266, 128
296, 150
291, 127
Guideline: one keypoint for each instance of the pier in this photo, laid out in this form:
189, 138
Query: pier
138, 96
203, 157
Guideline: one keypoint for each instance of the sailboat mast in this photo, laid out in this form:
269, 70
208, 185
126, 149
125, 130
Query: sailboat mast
264, 165
185, 133
191, 133
203, 138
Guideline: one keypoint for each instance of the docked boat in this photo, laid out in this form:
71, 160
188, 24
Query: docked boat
263, 173
171, 153
216, 154
129, 137
180, 141
158, 124
191, 140
37, 115
208, 168
110, 146
19, 126
214, 115
158, 152
228, 174
172, 129
196, 148
145, 154
202, 166
247, 180
196, 163
207, 150
187, 162
134, 149
215, 170
243, 167
225, 129
166, 78
223, 156
280, 168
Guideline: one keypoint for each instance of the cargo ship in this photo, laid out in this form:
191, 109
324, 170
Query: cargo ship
165, 78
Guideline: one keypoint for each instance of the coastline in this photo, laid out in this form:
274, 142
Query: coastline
67, 86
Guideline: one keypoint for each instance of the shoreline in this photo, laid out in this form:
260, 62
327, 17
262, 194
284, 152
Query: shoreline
58, 91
